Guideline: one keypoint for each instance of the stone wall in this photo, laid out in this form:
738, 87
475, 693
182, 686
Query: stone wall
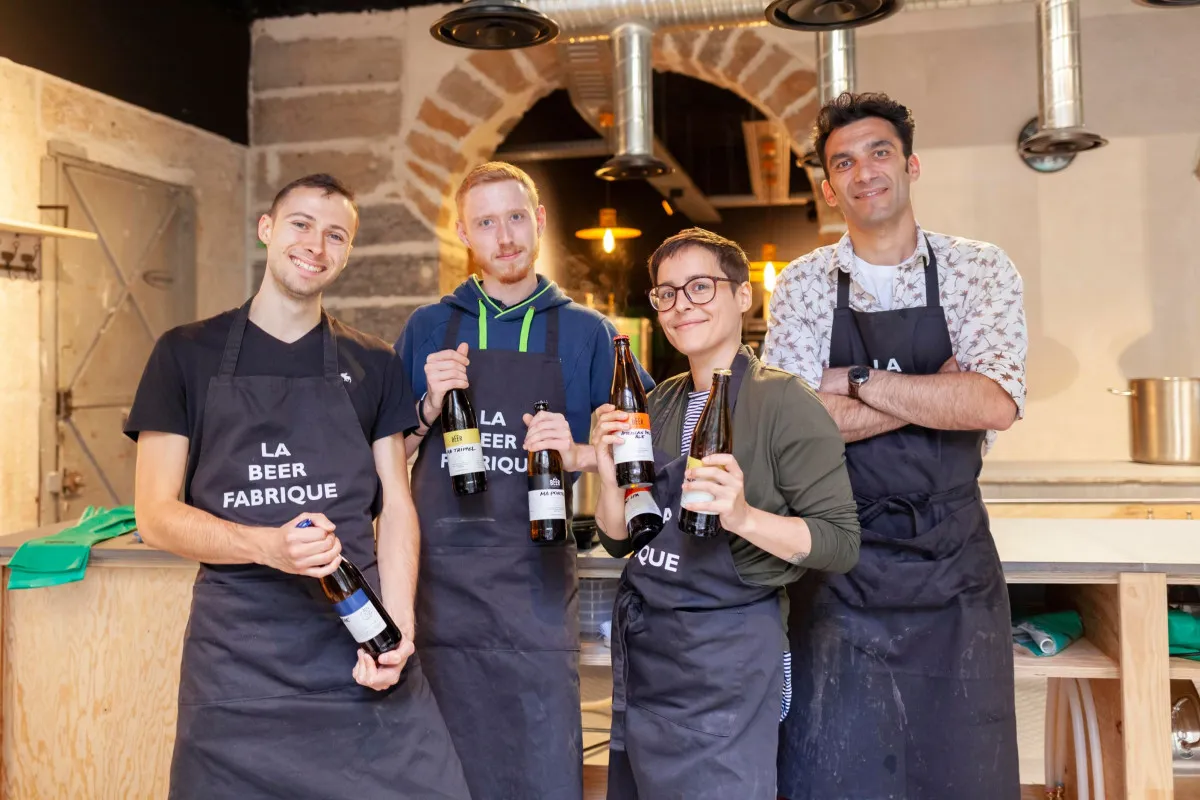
35, 110
375, 100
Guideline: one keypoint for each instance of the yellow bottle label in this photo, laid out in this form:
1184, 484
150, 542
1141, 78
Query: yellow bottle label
459, 438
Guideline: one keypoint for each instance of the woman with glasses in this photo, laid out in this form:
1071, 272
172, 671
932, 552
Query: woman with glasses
699, 623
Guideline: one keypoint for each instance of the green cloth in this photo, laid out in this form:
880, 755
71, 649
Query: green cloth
1183, 634
1047, 634
63, 557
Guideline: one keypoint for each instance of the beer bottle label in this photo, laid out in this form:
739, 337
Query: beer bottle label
639, 501
690, 497
635, 443
547, 499
464, 453
361, 617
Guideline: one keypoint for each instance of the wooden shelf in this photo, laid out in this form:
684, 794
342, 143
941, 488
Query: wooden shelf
1184, 668
37, 229
1081, 659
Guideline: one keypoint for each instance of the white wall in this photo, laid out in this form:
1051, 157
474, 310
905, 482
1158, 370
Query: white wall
36, 109
1110, 247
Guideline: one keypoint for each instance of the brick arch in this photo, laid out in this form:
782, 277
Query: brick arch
462, 119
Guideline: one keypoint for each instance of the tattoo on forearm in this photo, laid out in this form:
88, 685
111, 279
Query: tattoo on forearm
798, 558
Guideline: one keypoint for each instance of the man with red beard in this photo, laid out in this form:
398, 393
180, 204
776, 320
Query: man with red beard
265, 417
497, 616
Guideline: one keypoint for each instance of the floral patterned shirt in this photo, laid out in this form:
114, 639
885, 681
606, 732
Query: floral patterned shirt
981, 292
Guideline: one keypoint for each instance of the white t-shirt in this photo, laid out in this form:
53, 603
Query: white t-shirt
877, 280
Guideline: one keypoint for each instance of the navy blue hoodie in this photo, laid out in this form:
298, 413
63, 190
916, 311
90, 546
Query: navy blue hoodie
585, 345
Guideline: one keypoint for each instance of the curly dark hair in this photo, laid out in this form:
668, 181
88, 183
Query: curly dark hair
847, 108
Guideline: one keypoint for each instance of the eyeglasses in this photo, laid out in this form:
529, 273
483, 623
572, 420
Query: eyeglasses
699, 290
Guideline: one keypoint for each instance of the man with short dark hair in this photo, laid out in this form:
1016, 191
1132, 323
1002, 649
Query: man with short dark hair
902, 670
266, 417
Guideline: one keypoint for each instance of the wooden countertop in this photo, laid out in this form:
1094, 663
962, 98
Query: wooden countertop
1087, 472
1031, 550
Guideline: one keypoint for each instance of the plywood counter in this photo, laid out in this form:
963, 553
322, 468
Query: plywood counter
90, 669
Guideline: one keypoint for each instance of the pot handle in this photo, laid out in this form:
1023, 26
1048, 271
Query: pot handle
1121, 392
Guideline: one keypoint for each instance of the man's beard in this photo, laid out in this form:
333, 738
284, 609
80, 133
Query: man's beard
509, 274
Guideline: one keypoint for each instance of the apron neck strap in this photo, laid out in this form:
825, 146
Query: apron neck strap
237, 332
450, 341
932, 295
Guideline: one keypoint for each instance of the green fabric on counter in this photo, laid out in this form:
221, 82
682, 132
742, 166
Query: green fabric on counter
1183, 634
63, 557
1047, 634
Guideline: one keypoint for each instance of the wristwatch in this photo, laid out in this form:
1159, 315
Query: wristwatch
857, 376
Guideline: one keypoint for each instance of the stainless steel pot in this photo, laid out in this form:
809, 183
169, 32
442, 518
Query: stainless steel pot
1164, 420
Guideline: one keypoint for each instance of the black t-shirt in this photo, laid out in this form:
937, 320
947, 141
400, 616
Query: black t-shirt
170, 397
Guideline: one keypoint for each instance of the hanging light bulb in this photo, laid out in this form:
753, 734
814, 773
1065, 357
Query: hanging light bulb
608, 231
769, 277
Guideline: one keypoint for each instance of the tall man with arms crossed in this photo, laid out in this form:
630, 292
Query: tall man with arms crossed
902, 669
497, 616
266, 416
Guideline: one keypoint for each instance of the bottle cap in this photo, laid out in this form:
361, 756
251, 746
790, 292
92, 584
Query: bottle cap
621, 337
541, 405
722, 372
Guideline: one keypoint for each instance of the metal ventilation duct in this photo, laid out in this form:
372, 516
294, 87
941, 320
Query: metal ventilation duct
600, 17
835, 63
836, 74
1060, 91
633, 107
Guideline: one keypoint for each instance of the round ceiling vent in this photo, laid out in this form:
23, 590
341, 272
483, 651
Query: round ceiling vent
1168, 3
631, 167
494, 25
826, 15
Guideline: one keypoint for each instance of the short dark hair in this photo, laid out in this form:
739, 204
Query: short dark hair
730, 256
319, 180
848, 107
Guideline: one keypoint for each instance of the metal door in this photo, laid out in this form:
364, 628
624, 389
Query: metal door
105, 303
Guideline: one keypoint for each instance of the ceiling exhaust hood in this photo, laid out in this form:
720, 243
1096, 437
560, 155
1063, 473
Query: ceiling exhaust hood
1060, 91
633, 107
828, 15
494, 25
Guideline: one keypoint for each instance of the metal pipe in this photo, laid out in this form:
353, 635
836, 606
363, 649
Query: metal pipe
835, 63
1060, 90
632, 96
599, 17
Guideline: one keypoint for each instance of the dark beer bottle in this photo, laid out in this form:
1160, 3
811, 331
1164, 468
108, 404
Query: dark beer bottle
643, 519
464, 452
634, 457
713, 434
359, 607
547, 493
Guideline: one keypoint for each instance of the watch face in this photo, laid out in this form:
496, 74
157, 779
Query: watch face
858, 374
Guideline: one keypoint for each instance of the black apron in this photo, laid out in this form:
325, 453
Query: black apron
902, 668
497, 615
267, 704
697, 675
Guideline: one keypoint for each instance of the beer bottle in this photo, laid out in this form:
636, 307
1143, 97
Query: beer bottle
713, 434
547, 493
359, 607
643, 519
634, 457
464, 452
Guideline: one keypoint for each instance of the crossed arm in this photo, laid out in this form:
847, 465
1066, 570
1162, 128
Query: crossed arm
949, 400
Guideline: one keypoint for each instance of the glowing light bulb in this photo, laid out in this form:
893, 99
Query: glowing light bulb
610, 243
769, 277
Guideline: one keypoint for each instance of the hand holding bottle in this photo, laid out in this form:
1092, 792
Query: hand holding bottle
383, 672
311, 550
605, 435
444, 370
720, 477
